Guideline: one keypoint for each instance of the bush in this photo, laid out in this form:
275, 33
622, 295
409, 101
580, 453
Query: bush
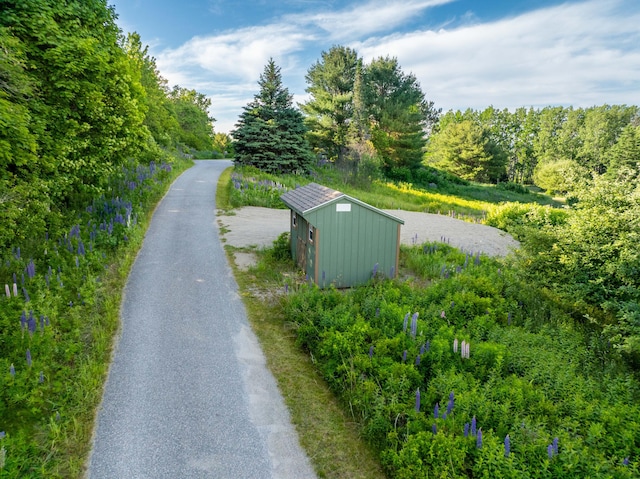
519, 218
381, 344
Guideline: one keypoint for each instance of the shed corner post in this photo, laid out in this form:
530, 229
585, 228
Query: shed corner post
397, 252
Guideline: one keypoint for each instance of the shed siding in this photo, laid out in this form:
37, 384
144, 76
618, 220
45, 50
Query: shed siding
352, 243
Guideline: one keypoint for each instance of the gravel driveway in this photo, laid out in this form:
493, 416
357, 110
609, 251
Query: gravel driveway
260, 226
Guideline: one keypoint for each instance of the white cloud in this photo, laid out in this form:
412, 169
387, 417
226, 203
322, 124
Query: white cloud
365, 19
580, 53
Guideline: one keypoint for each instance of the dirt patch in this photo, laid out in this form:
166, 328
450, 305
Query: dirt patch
244, 260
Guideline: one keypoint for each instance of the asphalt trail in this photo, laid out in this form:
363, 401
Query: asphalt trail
188, 393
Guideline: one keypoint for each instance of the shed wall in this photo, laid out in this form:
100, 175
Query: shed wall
352, 242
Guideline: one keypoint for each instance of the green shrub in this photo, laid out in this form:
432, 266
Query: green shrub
381, 343
519, 218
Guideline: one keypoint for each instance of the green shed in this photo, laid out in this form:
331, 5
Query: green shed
337, 239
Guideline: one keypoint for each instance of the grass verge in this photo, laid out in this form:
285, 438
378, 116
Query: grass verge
329, 435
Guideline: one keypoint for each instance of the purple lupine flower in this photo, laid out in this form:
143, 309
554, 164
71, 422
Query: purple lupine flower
29, 357
404, 355
479, 439
18, 252
417, 363
375, 269
31, 269
436, 412
31, 323
422, 349
26, 295
286, 288
427, 346
81, 250
555, 445
406, 320
377, 312
371, 352
23, 320
507, 446
625, 461
466, 429
418, 400
473, 426
450, 404
12, 370
550, 451
414, 325
2, 434
15, 279
434, 429
41, 378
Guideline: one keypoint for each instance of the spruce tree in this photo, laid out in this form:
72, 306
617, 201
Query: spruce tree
270, 133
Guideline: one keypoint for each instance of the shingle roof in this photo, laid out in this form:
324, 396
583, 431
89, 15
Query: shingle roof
305, 198
309, 197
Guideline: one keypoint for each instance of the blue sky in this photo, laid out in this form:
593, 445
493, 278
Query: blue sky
464, 53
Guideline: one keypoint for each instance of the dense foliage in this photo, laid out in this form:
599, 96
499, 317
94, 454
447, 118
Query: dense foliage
465, 372
358, 110
588, 257
78, 101
270, 133
554, 147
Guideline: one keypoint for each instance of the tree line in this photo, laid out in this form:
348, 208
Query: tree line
554, 147
359, 112
356, 111
78, 100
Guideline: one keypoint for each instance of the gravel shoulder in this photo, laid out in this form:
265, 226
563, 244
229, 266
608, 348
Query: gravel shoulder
255, 226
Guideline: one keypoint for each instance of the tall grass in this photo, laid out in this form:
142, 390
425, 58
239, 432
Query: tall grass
251, 187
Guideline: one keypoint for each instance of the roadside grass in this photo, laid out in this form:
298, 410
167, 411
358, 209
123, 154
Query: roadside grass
329, 435
48, 422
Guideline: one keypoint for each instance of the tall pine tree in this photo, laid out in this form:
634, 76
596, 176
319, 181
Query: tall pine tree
270, 134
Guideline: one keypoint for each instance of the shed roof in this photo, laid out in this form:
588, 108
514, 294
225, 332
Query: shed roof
305, 199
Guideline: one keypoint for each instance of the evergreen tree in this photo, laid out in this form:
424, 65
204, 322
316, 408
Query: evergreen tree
398, 113
625, 154
330, 110
270, 134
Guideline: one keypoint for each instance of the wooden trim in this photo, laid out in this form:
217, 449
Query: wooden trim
397, 252
316, 237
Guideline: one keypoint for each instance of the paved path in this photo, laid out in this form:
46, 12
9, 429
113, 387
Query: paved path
188, 393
